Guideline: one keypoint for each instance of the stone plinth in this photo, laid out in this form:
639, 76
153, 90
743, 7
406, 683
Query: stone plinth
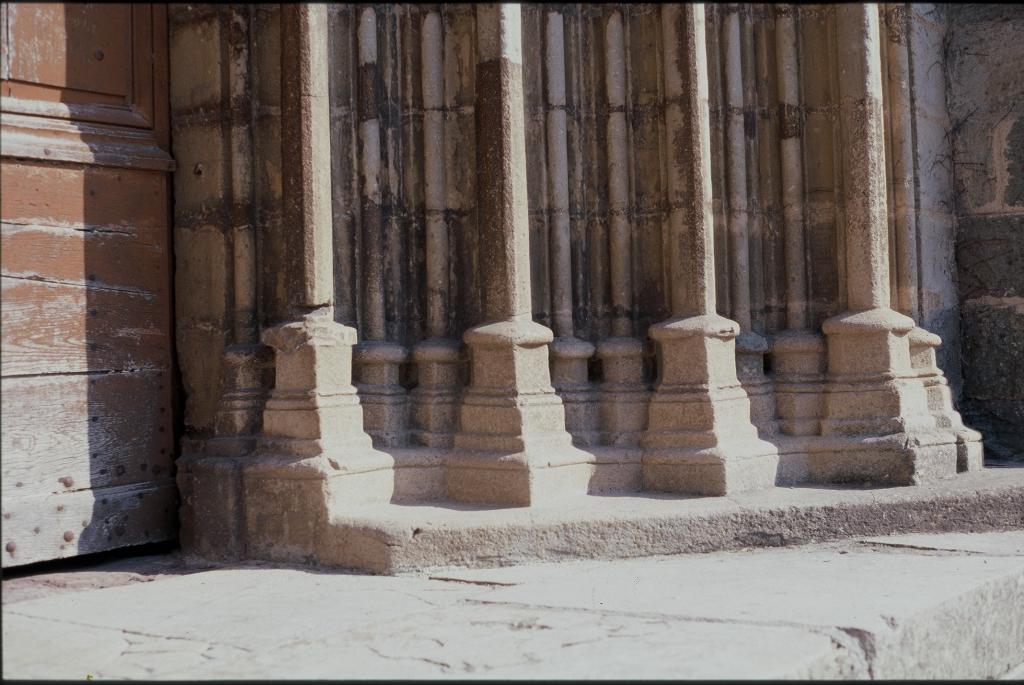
385, 401
512, 447
435, 398
751, 348
570, 376
798, 365
700, 439
969, 449
622, 395
876, 409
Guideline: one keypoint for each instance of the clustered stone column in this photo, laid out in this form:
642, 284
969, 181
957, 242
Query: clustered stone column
437, 359
569, 354
876, 409
751, 347
861, 400
313, 421
798, 353
923, 344
699, 436
377, 360
512, 446
623, 397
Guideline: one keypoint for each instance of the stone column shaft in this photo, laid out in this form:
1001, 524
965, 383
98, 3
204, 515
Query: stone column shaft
434, 400
512, 447
872, 390
746, 273
378, 361
569, 355
623, 396
313, 444
245, 360
923, 344
699, 437
736, 174
306, 154
798, 354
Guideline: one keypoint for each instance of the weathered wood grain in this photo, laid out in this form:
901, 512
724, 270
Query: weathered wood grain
57, 328
128, 200
94, 258
68, 433
73, 523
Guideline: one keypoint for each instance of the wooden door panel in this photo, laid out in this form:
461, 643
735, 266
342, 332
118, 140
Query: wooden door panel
86, 62
94, 197
98, 259
85, 431
57, 328
86, 351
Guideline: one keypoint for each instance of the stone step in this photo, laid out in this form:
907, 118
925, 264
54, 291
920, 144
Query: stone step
947, 605
393, 538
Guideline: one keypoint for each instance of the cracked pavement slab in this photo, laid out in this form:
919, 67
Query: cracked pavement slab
944, 605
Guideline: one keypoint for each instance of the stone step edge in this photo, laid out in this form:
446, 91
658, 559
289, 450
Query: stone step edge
398, 538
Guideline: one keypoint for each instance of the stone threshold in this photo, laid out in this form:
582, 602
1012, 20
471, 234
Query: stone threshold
399, 537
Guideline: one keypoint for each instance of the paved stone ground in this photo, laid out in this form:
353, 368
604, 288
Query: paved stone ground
942, 605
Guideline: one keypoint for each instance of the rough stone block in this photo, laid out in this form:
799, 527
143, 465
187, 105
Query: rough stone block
195, 63
993, 351
990, 256
211, 507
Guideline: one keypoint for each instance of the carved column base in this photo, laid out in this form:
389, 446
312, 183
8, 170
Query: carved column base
314, 455
970, 451
385, 402
512, 447
798, 365
699, 437
874, 398
435, 400
750, 350
570, 359
247, 371
883, 460
622, 395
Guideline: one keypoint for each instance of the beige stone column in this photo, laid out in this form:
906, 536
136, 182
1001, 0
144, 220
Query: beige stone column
699, 437
512, 447
312, 423
623, 397
744, 272
877, 415
923, 344
798, 353
435, 398
377, 360
245, 360
569, 355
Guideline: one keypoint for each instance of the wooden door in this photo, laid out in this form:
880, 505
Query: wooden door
87, 377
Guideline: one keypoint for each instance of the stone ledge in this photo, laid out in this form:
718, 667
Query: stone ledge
394, 538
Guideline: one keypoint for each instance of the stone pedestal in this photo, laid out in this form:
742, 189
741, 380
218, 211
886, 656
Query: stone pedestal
385, 401
570, 359
876, 409
435, 399
798, 366
512, 447
699, 437
750, 351
623, 395
246, 374
969, 447
314, 454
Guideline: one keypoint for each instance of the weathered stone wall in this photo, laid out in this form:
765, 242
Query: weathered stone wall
985, 77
